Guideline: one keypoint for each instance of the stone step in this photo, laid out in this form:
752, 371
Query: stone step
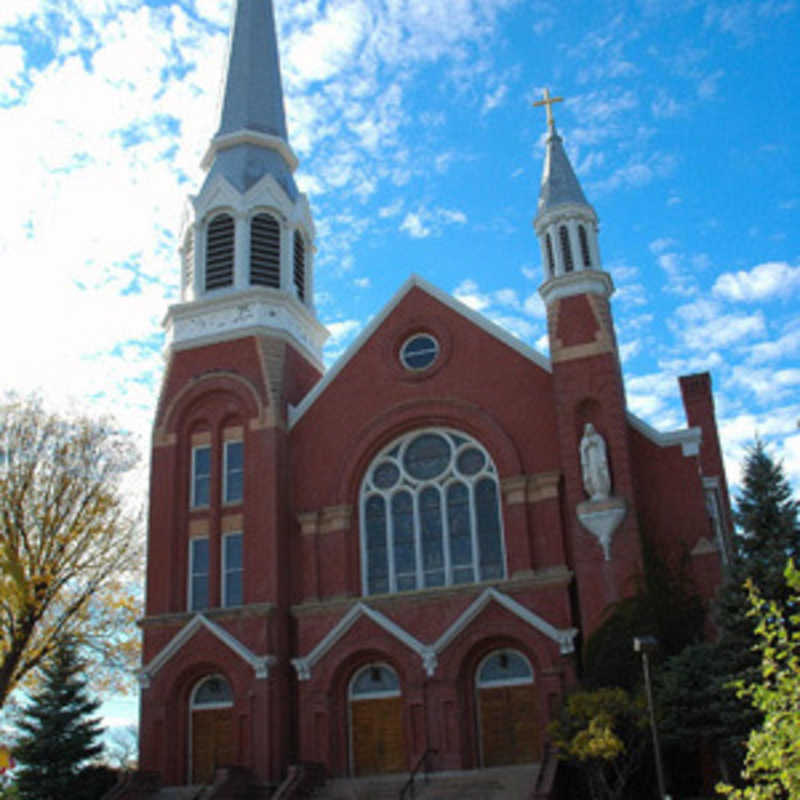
497, 783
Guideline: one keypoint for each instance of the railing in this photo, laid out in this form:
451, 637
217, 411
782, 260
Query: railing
409, 789
300, 781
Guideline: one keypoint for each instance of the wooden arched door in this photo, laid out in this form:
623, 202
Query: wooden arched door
377, 731
211, 713
508, 723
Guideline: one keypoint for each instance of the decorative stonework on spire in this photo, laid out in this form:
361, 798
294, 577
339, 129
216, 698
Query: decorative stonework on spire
248, 238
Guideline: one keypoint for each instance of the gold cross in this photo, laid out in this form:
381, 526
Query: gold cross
548, 101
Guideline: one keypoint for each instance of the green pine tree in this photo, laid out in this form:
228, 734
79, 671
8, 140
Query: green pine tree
60, 735
697, 687
767, 518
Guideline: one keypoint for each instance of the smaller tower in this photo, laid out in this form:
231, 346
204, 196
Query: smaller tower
602, 537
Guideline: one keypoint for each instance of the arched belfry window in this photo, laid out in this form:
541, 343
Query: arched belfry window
219, 252
430, 514
551, 262
265, 251
300, 265
566, 250
584, 240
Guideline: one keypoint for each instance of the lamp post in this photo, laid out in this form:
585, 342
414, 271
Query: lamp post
646, 645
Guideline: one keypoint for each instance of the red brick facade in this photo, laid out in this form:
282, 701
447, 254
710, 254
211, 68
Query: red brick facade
306, 453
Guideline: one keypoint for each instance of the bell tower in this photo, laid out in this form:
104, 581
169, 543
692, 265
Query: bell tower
242, 345
603, 538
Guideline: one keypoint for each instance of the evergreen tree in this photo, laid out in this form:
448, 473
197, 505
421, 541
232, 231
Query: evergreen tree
697, 687
767, 517
59, 733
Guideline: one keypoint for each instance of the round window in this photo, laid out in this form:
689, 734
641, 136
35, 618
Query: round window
419, 352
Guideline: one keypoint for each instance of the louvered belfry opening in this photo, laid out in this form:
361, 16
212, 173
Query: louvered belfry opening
188, 260
265, 251
566, 250
587, 259
300, 265
219, 252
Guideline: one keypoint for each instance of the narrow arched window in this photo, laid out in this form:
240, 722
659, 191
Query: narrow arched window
265, 251
430, 514
551, 262
566, 250
188, 261
584, 240
219, 252
300, 265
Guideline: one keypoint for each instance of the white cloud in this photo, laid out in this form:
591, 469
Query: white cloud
763, 282
786, 345
468, 293
430, 222
494, 99
769, 385
661, 245
702, 325
709, 84
414, 226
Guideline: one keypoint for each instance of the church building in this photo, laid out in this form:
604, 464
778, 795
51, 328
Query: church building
402, 553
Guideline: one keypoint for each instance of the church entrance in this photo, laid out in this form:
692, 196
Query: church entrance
507, 719
211, 729
377, 734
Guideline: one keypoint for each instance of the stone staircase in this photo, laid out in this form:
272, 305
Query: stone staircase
498, 783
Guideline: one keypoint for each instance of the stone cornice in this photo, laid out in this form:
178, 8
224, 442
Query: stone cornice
213, 614
583, 281
234, 314
265, 140
534, 579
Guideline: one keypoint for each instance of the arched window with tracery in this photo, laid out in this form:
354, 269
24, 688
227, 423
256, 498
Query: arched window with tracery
566, 250
430, 514
219, 252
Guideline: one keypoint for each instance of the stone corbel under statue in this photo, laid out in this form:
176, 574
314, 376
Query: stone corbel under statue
602, 518
602, 513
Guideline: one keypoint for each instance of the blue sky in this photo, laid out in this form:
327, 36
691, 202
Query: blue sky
420, 152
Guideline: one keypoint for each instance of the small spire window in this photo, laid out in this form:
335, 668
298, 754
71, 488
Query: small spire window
566, 250
265, 251
551, 261
584, 240
300, 266
219, 252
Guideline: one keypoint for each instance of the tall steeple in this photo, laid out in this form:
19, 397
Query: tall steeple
587, 381
565, 222
248, 236
252, 139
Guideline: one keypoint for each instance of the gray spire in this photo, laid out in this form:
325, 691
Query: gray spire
252, 103
559, 183
253, 98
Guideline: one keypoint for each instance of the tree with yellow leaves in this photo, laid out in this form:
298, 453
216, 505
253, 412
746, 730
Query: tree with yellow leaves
772, 764
604, 733
69, 543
